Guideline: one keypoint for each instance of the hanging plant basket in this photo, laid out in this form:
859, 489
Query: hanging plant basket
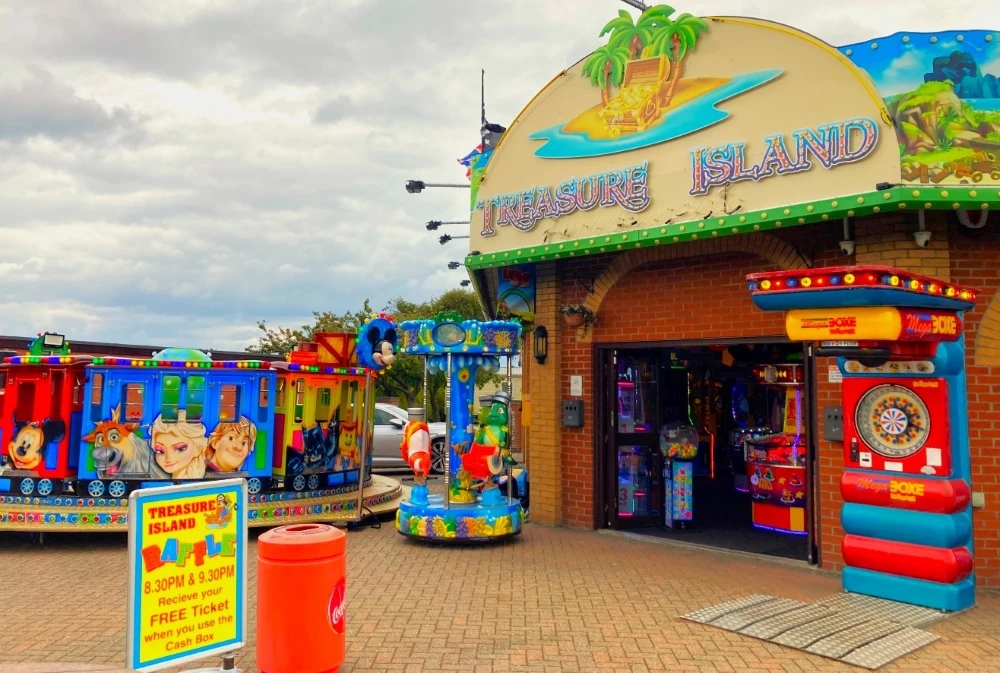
577, 315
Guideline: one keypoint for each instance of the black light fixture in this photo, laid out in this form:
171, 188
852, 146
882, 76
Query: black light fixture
433, 225
444, 239
882, 186
465, 283
453, 265
541, 344
415, 186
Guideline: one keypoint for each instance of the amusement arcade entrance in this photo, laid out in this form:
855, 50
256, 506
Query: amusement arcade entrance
708, 443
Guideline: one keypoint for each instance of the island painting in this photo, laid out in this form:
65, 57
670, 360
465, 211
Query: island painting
942, 91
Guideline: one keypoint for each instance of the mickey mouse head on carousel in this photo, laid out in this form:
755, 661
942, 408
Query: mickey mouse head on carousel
377, 343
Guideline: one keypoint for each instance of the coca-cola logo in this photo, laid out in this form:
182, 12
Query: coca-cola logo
338, 607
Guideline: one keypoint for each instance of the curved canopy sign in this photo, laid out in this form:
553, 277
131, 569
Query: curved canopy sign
678, 126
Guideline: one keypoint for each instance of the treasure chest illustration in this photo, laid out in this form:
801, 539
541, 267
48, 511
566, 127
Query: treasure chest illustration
640, 100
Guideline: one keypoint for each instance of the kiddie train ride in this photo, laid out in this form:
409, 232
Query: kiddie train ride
897, 337
79, 433
473, 509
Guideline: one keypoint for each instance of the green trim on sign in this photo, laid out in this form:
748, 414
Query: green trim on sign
896, 199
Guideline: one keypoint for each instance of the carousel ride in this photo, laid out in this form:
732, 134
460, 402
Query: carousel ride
473, 507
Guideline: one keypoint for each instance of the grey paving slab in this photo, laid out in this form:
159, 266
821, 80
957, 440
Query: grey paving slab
884, 610
706, 615
886, 650
838, 644
740, 619
775, 626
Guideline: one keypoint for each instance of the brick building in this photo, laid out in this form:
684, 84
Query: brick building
655, 239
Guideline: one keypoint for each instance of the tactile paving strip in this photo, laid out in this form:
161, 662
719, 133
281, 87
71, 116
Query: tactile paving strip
878, 608
858, 630
706, 615
775, 626
734, 621
890, 648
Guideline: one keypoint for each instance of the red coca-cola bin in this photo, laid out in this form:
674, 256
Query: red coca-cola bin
301, 599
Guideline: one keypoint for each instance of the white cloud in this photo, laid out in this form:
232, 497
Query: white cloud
174, 172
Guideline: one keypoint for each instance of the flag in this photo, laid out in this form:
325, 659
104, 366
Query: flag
468, 159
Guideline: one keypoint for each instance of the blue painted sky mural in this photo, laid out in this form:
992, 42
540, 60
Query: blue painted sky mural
943, 93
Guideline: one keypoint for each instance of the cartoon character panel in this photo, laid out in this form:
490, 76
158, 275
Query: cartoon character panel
897, 425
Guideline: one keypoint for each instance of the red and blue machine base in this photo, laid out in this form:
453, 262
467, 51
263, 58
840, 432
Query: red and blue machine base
907, 513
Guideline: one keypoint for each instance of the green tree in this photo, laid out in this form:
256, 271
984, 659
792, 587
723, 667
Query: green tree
674, 41
405, 380
625, 33
606, 67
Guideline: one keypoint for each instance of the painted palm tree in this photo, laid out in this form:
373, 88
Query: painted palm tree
625, 33
606, 67
674, 42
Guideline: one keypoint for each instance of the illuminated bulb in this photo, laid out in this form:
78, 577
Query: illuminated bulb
914, 285
965, 295
765, 285
849, 278
819, 281
777, 283
806, 282
834, 280
894, 281
932, 288
950, 292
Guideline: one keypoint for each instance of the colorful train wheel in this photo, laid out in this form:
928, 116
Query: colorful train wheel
45, 487
95, 489
117, 488
313, 482
27, 486
299, 482
254, 486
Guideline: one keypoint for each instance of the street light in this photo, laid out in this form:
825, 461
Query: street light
417, 186
434, 224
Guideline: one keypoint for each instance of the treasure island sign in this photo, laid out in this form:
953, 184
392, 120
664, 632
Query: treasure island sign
681, 119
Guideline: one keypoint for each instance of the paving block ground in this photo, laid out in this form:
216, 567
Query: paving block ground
552, 600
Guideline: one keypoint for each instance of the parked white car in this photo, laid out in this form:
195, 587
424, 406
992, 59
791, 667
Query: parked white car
389, 423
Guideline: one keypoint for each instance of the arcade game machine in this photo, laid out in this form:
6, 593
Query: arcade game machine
907, 513
776, 462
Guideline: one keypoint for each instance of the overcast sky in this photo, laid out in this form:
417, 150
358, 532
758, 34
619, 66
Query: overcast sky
173, 171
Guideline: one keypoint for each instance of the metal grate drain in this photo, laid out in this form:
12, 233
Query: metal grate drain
858, 630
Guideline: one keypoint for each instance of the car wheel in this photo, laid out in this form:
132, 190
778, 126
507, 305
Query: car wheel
438, 456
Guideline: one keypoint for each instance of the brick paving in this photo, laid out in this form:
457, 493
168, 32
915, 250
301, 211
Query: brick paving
554, 600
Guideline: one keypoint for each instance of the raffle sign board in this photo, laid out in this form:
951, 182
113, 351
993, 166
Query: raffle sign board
187, 573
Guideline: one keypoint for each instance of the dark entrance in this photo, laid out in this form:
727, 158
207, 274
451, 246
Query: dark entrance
713, 392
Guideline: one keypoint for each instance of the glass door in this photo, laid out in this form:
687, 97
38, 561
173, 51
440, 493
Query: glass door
638, 471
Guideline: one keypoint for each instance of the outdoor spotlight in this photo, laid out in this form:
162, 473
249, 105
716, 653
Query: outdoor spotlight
541, 338
882, 186
415, 186
453, 265
444, 238
433, 225
465, 283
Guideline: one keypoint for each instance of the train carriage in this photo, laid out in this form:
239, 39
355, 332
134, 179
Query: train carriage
178, 416
318, 415
41, 395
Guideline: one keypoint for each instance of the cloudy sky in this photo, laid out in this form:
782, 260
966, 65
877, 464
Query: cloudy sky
173, 171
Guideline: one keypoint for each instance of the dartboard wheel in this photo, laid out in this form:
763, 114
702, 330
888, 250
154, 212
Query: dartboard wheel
893, 421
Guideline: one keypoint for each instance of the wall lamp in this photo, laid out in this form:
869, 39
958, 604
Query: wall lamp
417, 186
541, 339
446, 237
453, 265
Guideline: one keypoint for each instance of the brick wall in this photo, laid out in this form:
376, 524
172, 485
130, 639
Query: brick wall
705, 297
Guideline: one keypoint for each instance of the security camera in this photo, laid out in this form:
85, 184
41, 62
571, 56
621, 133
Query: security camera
922, 238
847, 248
